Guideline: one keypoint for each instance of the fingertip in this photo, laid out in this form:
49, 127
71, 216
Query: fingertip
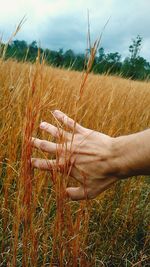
69, 194
32, 162
75, 193
56, 111
32, 140
43, 125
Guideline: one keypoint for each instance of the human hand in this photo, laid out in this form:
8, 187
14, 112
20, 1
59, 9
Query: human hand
86, 154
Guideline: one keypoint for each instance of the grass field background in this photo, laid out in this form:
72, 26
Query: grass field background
39, 226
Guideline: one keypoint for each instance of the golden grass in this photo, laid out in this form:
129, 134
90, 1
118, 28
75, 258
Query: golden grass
39, 225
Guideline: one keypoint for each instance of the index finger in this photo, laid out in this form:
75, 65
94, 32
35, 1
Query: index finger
67, 121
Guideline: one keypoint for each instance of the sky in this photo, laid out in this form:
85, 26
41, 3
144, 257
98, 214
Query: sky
63, 23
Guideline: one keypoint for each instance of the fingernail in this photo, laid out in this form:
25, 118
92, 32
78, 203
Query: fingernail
56, 111
43, 125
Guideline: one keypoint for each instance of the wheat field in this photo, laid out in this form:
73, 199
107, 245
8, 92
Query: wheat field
39, 226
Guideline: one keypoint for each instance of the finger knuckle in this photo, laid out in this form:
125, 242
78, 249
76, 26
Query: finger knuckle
43, 145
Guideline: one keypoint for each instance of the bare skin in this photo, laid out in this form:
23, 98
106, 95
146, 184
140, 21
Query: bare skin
92, 158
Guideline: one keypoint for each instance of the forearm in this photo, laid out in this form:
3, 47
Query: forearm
131, 154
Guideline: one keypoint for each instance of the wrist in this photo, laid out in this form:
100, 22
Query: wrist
123, 156
130, 155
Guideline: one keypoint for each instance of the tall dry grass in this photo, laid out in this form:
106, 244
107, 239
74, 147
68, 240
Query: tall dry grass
39, 225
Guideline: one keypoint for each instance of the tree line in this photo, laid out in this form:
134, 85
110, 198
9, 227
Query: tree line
134, 66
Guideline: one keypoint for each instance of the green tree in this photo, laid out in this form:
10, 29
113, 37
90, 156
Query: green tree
69, 58
79, 62
101, 54
17, 49
135, 66
33, 51
135, 47
113, 63
100, 61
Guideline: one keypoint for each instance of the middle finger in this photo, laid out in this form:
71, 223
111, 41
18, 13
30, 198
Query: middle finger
56, 132
44, 145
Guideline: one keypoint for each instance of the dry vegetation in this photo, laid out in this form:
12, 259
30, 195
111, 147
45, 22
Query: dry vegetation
39, 226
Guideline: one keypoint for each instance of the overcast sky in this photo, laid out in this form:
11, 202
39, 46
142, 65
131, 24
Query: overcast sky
63, 23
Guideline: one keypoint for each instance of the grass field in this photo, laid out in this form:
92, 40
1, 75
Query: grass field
39, 226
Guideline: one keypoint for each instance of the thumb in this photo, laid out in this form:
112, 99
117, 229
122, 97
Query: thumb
77, 193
